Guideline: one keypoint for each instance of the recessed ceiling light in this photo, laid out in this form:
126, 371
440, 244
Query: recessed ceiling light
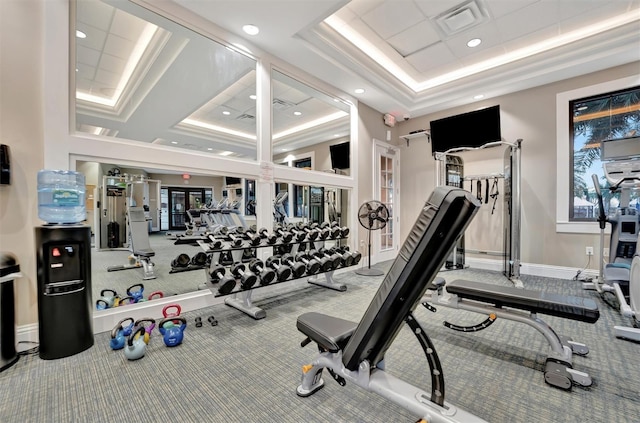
253, 96
226, 113
336, 135
226, 153
359, 90
209, 149
478, 97
174, 142
80, 34
474, 42
251, 29
297, 113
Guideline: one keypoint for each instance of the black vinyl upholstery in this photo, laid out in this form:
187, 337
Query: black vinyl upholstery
441, 222
570, 307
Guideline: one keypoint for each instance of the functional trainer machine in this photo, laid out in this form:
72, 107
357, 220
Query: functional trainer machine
354, 352
621, 275
449, 171
522, 305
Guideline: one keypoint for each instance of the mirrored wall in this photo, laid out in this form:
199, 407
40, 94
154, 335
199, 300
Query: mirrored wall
144, 78
204, 202
141, 80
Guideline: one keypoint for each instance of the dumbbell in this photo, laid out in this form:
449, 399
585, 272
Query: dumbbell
264, 234
356, 255
282, 233
297, 268
247, 279
214, 243
253, 238
300, 235
266, 275
283, 272
345, 258
324, 232
332, 256
200, 259
234, 239
181, 261
312, 265
306, 231
226, 282
334, 231
326, 262
313, 231
344, 231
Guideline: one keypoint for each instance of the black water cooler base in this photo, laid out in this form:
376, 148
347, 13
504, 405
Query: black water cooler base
64, 290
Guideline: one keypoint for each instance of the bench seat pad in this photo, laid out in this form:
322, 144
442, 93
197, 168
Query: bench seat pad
330, 333
566, 306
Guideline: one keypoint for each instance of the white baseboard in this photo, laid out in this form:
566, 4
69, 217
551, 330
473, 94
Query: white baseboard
544, 270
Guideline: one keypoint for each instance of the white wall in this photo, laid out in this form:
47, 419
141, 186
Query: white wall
21, 127
530, 115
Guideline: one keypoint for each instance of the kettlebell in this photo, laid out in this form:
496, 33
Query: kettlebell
106, 300
148, 328
172, 333
175, 310
119, 334
136, 294
136, 344
124, 301
155, 294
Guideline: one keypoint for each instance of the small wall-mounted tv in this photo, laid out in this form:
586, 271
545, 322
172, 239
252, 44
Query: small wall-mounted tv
340, 155
230, 180
473, 129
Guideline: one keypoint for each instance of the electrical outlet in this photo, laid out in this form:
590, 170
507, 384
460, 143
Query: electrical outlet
589, 251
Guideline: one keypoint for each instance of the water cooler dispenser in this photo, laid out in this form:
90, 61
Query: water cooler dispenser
64, 289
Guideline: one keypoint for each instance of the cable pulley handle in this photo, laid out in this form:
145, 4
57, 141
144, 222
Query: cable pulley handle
602, 219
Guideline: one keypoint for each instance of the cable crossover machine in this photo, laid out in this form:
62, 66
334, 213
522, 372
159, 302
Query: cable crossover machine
450, 171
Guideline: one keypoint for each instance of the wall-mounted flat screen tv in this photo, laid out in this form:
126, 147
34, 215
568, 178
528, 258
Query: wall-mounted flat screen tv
230, 180
340, 155
473, 129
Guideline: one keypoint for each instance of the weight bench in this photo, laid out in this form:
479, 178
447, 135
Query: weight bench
138, 244
523, 306
355, 352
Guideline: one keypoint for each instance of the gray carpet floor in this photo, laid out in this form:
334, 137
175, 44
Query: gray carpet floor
245, 370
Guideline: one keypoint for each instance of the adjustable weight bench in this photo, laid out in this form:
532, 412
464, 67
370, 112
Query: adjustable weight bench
522, 305
138, 244
354, 352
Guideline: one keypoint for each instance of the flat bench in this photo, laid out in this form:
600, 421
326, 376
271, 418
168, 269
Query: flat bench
568, 307
522, 306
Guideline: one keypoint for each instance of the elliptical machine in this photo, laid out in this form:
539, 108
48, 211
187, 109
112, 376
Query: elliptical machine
621, 275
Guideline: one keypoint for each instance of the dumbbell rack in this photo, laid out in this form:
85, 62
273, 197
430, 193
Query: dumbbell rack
241, 299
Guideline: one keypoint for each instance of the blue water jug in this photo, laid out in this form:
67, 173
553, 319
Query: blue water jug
61, 196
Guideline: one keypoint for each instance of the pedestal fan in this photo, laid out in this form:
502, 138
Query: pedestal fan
372, 215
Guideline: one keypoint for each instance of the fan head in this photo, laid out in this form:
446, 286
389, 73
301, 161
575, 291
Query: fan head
373, 215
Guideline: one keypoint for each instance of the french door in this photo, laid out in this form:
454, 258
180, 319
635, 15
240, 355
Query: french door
387, 190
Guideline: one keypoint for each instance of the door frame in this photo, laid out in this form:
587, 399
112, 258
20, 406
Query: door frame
380, 149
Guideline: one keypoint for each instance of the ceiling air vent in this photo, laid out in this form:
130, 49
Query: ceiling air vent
246, 116
462, 17
279, 104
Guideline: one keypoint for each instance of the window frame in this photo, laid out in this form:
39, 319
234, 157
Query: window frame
564, 144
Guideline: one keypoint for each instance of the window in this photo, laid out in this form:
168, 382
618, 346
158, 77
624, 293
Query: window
610, 116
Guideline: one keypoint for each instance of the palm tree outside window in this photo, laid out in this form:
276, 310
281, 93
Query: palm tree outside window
594, 119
